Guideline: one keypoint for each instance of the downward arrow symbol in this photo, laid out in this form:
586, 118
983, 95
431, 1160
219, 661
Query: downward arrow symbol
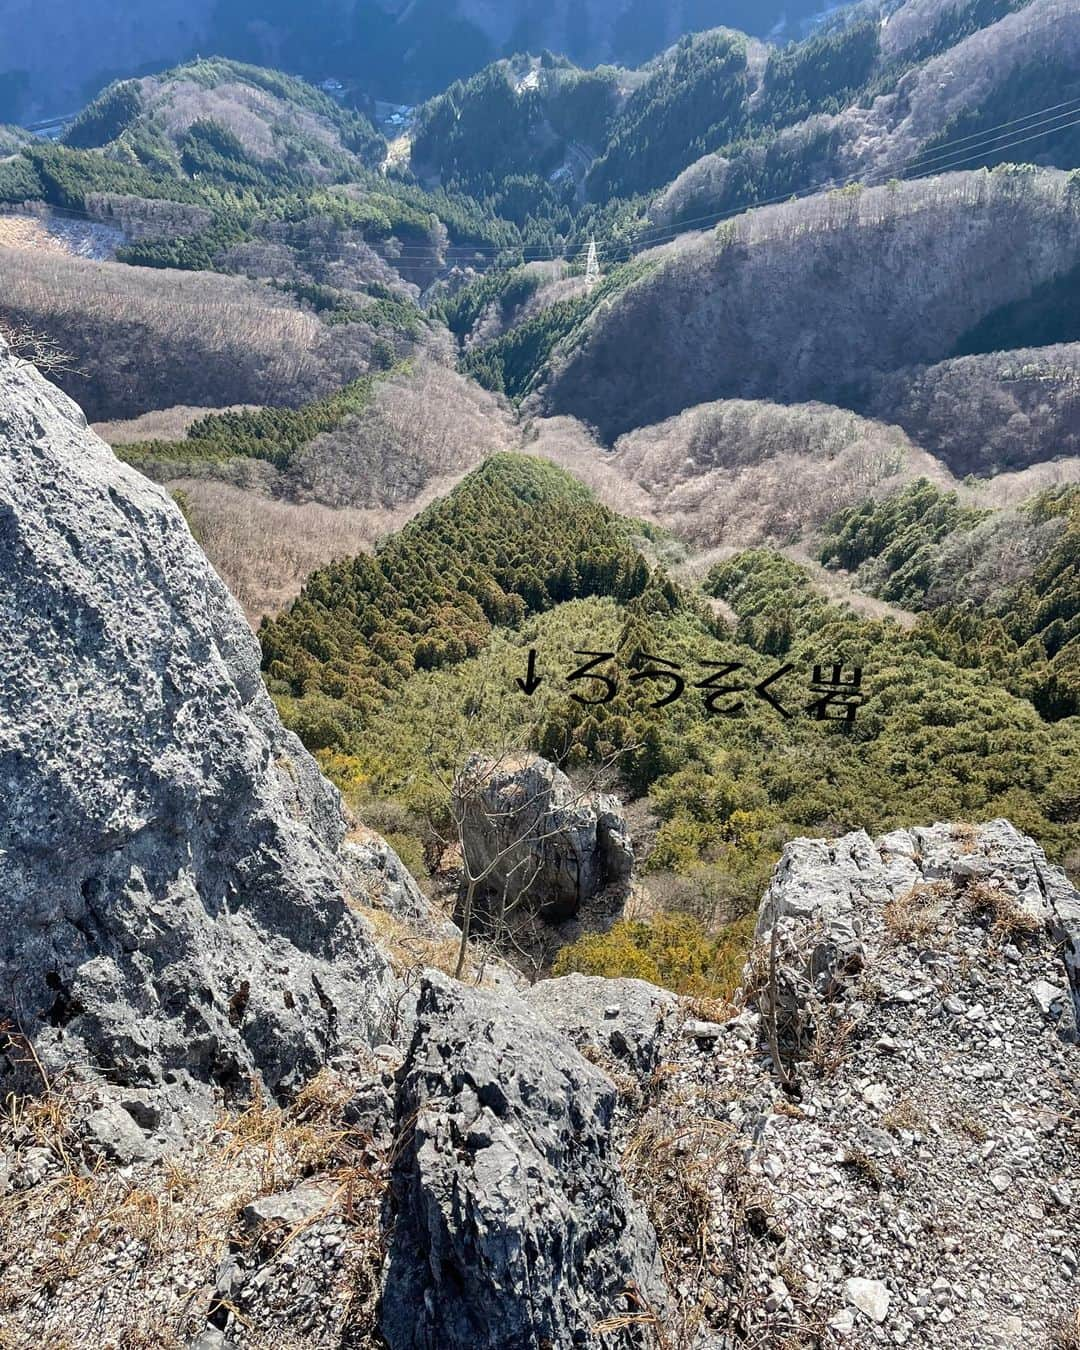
532, 682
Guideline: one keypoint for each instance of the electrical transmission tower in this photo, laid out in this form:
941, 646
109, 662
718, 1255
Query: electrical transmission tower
592, 267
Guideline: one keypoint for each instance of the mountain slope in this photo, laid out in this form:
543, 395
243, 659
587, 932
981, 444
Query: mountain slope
206, 108
984, 85
889, 275
420, 649
997, 411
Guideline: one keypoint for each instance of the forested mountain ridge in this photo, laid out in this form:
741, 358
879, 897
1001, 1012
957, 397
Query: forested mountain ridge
57, 55
419, 649
721, 121
209, 111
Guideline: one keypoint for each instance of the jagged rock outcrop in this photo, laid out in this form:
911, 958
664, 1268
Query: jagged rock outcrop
512, 1226
915, 1184
536, 843
173, 907
822, 898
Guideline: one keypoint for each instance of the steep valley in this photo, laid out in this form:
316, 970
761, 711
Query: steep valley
540, 680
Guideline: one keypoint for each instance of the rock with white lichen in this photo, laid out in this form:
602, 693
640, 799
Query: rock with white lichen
174, 909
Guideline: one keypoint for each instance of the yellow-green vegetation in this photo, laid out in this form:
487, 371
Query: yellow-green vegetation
934, 741
673, 950
1027, 634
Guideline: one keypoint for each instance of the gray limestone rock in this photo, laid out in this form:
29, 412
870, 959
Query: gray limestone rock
381, 880
173, 907
111, 1132
551, 850
625, 1019
288, 1209
512, 1228
823, 889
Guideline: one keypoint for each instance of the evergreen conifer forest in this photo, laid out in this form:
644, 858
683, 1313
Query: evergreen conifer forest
539, 674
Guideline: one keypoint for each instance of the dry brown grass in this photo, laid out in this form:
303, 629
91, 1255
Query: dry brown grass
406, 949
919, 914
669, 1167
904, 1115
1065, 1333
969, 1125
1008, 920
832, 1035
712, 1009
84, 1236
863, 1167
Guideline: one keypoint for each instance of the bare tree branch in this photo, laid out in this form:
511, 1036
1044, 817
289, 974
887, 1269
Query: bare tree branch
34, 347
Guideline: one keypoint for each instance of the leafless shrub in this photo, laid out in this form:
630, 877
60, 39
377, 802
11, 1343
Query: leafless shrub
34, 347
500, 838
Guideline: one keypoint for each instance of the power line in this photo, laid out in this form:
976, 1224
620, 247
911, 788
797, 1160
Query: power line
985, 135
980, 144
1071, 105
660, 235
1048, 130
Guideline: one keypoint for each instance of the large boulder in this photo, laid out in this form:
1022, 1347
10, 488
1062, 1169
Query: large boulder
512, 1227
825, 893
533, 840
173, 905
